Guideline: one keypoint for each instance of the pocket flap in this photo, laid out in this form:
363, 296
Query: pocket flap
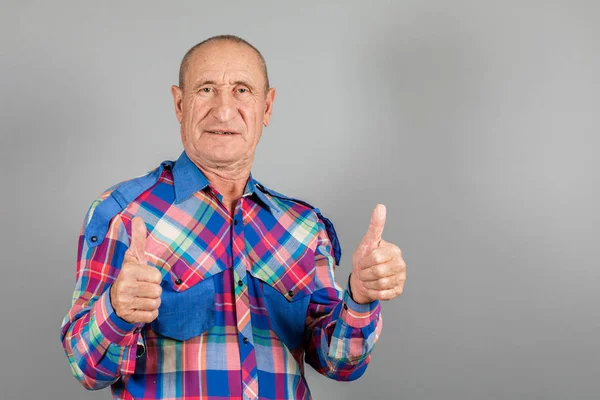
293, 281
184, 315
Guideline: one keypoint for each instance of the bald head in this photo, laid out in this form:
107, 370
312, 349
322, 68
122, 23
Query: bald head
185, 62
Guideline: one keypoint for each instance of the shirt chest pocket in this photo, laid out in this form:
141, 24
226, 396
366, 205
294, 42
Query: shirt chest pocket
186, 314
286, 300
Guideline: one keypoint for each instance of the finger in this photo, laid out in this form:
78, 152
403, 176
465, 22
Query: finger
148, 290
138, 239
372, 238
143, 316
386, 294
389, 282
387, 269
377, 256
143, 304
146, 273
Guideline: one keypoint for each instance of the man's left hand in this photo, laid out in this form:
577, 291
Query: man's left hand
378, 270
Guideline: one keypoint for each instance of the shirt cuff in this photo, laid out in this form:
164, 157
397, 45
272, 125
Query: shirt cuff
358, 315
111, 326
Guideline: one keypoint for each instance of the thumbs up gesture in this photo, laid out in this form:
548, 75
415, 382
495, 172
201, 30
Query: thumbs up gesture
378, 270
135, 294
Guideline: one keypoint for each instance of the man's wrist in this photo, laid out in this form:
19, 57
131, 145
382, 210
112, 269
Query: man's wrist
358, 315
113, 327
357, 299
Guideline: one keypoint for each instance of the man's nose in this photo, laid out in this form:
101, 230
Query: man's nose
224, 108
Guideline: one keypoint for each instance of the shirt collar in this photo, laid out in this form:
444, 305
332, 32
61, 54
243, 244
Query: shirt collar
266, 200
188, 179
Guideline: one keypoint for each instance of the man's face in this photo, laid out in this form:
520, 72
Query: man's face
224, 91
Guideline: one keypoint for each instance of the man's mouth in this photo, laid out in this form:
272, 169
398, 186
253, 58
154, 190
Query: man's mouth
222, 132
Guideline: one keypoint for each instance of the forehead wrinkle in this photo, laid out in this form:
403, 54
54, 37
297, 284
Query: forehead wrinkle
207, 61
230, 77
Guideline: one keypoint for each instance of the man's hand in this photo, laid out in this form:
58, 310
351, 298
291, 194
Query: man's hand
135, 294
378, 270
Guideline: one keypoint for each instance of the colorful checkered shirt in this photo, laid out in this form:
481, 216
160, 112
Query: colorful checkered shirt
246, 297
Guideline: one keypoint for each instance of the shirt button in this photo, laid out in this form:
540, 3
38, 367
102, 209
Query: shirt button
235, 221
140, 351
345, 306
94, 238
240, 283
178, 281
291, 293
245, 340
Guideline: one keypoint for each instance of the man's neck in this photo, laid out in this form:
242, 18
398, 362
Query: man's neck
230, 182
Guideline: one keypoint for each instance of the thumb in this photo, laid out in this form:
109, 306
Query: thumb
373, 236
138, 239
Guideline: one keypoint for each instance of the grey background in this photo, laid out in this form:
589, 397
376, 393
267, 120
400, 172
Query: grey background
475, 122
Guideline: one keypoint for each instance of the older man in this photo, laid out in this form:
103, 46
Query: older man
195, 281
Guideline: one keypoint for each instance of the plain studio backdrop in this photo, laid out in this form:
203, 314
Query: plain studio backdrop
475, 122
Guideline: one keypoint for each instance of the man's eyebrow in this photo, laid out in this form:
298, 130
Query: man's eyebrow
203, 82
243, 83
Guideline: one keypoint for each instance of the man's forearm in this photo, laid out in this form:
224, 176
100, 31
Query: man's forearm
99, 345
339, 343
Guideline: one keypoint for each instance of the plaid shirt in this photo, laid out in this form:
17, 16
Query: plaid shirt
246, 297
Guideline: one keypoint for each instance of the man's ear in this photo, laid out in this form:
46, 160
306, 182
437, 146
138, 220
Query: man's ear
269, 106
177, 100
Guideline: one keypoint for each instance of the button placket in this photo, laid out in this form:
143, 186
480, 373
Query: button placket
242, 305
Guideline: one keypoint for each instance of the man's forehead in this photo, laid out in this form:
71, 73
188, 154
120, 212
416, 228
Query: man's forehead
223, 75
224, 62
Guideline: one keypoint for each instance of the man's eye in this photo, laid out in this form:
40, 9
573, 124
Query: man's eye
205, 90
242, 90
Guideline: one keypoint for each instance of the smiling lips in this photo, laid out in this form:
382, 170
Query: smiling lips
222, 132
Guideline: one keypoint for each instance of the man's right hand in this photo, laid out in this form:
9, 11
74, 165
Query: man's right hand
135, 294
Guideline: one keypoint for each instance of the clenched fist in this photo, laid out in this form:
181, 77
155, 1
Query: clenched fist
378, 270
135, 294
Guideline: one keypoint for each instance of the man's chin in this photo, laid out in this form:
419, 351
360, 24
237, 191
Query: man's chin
218, 159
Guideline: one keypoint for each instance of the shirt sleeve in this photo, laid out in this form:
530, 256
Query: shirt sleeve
340, 333
100, 346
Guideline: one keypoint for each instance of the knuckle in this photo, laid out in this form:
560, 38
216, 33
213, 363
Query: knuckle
135, 317
127, 273
145, 304
379, 270
153, 274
